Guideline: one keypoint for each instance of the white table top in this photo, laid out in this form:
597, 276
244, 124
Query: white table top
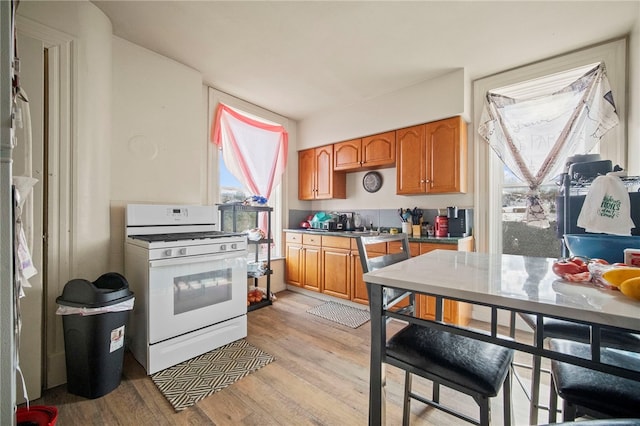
522, 283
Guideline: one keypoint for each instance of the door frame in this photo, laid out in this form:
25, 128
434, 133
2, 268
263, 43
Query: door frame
60, 135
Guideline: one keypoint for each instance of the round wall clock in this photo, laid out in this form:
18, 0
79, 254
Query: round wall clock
372, 181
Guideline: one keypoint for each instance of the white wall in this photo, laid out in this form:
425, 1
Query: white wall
431, 100
159, 148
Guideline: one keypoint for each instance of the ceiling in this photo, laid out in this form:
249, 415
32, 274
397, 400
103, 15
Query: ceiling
303, 57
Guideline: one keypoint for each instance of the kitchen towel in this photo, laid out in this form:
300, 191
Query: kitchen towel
606, 207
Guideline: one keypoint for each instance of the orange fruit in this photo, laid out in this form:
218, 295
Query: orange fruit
616, 276
631, 287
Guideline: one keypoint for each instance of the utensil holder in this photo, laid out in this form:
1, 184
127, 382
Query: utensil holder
405, 228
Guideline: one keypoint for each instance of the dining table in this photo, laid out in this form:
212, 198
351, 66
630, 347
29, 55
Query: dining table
496, 285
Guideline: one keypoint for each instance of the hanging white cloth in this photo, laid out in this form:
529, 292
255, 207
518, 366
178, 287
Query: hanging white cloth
254, 151
606, 208
534, 130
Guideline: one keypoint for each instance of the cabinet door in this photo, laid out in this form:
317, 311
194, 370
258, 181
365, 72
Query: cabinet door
336, 272
324, 172
294, 264
306, 174
410, 160
379, 150
347, 155
359, 292
427, 304
447, 156
311, 269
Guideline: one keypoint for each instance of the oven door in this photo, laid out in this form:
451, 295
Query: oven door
189, 293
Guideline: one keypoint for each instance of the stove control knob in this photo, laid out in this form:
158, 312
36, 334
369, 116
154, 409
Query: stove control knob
167, 253
234, 246
223, 247
182, 251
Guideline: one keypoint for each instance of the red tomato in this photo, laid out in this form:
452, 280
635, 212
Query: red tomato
565, 267
580, 262
601, 261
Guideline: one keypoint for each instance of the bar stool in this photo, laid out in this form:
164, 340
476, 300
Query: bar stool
470, 366
590, 392
560, 329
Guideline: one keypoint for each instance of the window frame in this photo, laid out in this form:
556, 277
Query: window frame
276, 200
487, 200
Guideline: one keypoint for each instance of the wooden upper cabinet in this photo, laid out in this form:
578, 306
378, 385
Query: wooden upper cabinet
347, 155
316, 177
411, 160
372, 152
379, 150
447, 151
432, 158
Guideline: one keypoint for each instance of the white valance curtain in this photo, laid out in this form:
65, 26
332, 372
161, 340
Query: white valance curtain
254, 151
533, 128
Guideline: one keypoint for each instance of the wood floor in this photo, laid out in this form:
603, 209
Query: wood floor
319, 377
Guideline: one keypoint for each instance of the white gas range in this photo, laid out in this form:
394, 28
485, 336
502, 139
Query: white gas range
190, 281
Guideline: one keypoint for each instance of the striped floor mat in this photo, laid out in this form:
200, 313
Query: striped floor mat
187, 383
342, 314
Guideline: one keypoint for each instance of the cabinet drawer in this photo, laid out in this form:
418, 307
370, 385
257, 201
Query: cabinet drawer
311, 240
336, 242
294, 238
371, 248
427, 247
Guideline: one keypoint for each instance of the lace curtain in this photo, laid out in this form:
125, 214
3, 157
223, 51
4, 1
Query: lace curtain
533, 128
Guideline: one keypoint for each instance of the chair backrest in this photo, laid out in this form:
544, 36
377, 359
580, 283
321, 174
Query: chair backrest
372, 263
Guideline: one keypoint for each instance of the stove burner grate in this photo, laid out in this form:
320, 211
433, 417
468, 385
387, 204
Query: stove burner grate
185, 236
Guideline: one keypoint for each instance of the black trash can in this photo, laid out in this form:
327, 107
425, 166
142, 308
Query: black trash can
94, 321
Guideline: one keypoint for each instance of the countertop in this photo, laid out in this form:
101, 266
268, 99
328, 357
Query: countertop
521, 283
352, 234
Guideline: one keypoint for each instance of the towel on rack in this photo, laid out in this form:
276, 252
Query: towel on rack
606, 207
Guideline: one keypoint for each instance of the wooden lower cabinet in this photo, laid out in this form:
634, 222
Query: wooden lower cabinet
331, 265
302, 266
336, 266
359, 292
452, 312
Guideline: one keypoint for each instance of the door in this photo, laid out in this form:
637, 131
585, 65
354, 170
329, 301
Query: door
294, 264
347, 155
410, 160
445, 150
28, 160
324, 172
336, 273
307, 174
379, 150
311, 268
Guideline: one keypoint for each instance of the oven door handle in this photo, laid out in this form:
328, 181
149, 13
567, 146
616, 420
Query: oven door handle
192, 259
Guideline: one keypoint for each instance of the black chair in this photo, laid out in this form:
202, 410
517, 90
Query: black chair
589, 392
561, 329
470, 366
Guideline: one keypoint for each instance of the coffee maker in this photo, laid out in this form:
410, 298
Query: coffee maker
460, 222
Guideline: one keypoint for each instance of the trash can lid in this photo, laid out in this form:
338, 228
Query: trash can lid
109, 289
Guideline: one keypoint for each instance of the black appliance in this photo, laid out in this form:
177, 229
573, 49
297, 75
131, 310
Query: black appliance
462, 225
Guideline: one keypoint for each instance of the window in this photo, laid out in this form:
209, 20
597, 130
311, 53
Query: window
496, 195
223, 186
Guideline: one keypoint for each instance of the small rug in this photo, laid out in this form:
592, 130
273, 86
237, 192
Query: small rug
342, 314
186, 383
